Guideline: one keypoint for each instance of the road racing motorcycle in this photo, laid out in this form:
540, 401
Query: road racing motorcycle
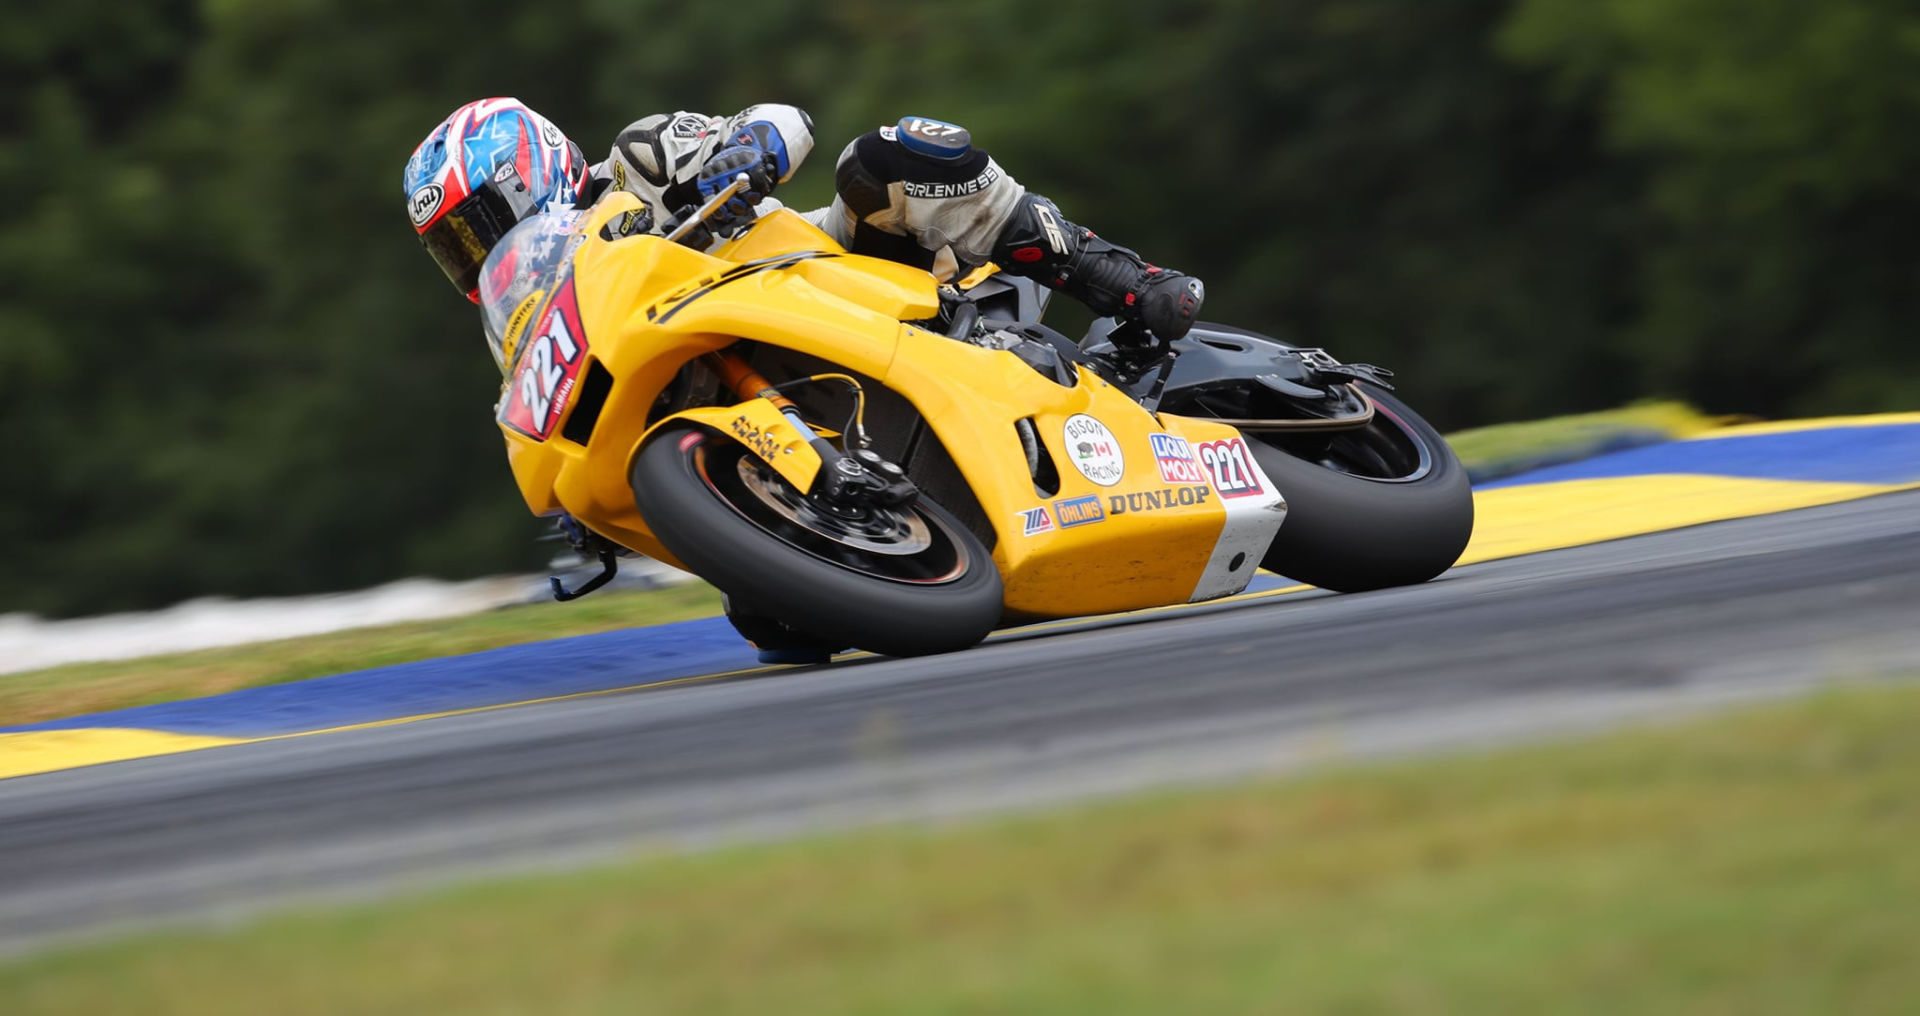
861, 457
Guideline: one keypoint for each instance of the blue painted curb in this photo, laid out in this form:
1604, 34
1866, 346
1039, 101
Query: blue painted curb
568, 666
1877, 454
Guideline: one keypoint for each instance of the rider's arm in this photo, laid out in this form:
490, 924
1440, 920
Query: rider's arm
659, 157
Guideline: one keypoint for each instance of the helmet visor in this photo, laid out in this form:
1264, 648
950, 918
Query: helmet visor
460, 241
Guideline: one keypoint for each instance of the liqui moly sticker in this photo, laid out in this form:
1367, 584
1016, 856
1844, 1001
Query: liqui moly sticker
1035, 521
1175, 458
1231, 466
1094, 450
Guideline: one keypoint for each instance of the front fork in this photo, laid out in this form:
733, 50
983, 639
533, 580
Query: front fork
770, 426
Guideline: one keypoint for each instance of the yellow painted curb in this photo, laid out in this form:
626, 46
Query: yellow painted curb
1510, 521
1796, 426
44, 751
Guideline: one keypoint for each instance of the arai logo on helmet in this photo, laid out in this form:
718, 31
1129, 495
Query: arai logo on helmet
425, 202
1094, 450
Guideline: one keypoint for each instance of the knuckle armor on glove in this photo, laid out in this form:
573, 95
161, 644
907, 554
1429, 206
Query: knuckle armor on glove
729, 163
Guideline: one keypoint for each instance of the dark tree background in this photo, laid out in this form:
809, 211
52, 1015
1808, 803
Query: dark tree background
229, 369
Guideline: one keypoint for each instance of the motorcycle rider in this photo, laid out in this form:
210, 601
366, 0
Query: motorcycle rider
917, 192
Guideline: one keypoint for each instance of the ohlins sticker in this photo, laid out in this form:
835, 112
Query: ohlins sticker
1175, 458
546, 372
1232, 469
1079, 511
425, 202
1157, 500
1034, 521
1094, 450
951, 190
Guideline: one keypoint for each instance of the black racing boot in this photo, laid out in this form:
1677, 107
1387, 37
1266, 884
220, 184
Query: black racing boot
1039, 243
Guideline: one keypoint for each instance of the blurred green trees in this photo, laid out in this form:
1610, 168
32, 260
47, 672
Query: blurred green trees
231, 371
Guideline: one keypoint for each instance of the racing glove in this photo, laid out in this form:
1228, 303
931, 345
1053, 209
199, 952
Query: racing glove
729, 162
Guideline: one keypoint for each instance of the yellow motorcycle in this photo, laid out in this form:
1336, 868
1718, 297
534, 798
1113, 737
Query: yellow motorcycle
858, 456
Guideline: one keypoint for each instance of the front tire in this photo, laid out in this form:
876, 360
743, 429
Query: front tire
905, 582
1386, 505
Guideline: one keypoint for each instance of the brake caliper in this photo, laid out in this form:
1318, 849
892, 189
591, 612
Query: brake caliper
864, 477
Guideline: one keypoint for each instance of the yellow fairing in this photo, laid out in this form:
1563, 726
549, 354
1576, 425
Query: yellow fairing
896, 290
762, 429
648, 306
1124, 561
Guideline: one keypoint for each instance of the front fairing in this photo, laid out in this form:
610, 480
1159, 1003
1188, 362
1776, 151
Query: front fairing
522, 271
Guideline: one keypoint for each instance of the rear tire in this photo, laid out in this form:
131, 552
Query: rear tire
1389, 505
727, 517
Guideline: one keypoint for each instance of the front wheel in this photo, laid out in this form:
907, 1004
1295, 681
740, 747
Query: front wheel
1387, 504
902, 581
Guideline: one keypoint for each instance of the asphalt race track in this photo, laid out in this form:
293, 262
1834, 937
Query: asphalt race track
1657, 625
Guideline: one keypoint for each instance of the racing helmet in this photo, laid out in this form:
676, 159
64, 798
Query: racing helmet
486, 167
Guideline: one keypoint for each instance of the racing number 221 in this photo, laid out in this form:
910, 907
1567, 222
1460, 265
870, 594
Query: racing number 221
1233, 474
543, 374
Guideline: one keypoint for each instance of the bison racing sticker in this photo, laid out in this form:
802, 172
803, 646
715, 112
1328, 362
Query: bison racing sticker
547, 371
1094, 450
1175, 458
1232, 468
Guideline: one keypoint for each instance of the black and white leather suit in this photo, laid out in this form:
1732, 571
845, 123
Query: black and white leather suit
916, 191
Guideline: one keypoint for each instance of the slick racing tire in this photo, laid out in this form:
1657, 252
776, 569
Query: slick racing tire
904, 581
1385, 505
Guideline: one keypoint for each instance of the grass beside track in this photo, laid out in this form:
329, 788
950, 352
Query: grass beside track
79, 688
1755, 863
76, 689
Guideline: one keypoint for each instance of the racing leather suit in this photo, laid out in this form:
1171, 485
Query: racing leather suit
917, 192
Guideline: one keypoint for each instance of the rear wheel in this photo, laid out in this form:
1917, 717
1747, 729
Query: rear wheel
1387, 504
901, 581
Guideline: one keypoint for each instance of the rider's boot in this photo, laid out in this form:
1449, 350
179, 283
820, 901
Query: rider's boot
1039, 243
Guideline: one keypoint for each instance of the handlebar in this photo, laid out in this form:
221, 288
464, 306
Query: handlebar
709, 210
